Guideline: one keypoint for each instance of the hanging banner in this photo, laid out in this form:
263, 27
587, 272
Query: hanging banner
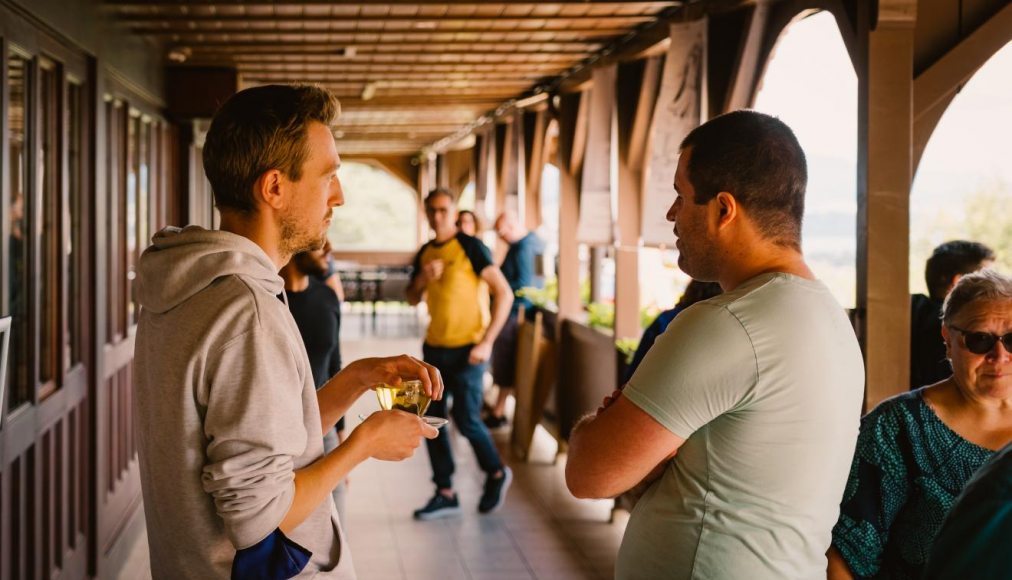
678, 111
600, 163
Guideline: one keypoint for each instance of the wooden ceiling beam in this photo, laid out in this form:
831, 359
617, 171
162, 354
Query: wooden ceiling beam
386, 47
261, 4
386, 22
183, 33
368, 70
398, 79
478, 104
351, 129
381, 59
390, 134
422, 85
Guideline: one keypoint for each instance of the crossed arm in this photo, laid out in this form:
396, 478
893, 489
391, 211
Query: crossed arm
617, 448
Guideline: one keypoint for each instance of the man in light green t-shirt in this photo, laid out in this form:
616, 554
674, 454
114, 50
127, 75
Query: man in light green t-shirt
744, 415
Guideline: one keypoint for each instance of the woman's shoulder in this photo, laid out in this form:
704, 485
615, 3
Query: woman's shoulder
895, 415
902, 405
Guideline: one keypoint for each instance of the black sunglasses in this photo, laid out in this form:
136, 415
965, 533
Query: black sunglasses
983, 342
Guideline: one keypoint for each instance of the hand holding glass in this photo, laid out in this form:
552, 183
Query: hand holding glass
408, 396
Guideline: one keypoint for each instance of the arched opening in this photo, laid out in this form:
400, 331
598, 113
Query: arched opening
963, 185
811, 85
379, 213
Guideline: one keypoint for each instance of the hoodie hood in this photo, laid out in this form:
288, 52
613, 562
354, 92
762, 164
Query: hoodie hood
182, 262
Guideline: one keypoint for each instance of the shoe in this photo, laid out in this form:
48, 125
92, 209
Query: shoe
493, 422
439, 507
495, 491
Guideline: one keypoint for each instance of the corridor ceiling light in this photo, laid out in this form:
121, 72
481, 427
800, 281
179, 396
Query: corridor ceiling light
179, 54
368, 91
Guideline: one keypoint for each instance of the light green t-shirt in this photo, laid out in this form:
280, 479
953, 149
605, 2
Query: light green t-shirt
765, 384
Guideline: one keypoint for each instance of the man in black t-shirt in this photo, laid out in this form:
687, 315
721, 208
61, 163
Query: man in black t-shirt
317, 312
948, 262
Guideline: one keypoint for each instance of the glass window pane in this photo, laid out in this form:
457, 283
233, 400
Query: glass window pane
18, 116
133, 185
72, 216
47, 202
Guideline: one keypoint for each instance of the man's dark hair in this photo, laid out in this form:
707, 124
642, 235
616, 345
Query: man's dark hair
260, 129
757, 159
952, 259
438, 192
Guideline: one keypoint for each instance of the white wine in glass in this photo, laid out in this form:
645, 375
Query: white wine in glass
409, 396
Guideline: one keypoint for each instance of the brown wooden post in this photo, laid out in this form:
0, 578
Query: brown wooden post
572, 140
638, 83
507, 165
748, 65
442, 171
885, 168
423, 190
535, 156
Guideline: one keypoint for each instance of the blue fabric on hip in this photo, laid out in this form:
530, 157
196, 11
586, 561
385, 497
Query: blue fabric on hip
272, 558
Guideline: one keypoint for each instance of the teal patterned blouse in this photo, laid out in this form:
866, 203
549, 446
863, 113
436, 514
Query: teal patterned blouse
908, 469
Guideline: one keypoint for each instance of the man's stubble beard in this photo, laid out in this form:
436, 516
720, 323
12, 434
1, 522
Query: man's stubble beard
293, 240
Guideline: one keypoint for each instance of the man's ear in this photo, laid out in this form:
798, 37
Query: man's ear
268, 189
726, 208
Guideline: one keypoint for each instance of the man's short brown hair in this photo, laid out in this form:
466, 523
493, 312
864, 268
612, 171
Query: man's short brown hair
756, 158
260, 129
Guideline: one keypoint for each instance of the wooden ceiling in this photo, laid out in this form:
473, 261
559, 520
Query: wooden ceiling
408, 73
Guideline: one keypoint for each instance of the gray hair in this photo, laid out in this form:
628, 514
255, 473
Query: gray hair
980, 285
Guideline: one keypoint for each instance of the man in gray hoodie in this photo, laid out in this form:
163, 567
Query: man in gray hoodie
230, 424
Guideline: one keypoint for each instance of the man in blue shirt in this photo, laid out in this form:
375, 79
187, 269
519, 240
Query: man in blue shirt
518, 268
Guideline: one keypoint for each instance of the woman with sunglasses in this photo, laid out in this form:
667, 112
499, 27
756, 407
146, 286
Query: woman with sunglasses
916, 451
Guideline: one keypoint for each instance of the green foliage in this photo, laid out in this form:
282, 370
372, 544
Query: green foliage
379, 213
601, 315
585, 291
986, 218
627, 346
989, 220
546, 298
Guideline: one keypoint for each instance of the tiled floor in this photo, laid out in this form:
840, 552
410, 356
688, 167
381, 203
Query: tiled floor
541, 532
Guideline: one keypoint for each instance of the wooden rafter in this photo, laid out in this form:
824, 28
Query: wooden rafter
432, 68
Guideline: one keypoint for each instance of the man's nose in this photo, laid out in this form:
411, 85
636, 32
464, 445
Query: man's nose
337, 194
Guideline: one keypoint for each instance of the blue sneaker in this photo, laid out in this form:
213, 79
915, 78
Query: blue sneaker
495, 491
438, 507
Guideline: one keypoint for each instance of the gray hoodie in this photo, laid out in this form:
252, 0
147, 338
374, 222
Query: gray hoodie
225, 406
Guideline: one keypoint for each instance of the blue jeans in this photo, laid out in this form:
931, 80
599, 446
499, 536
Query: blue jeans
463, 383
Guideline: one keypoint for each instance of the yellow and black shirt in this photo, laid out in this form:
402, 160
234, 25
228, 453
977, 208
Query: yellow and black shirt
458, 301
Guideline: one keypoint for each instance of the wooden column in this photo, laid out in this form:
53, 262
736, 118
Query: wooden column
507, 166
572, 140
442, 171
424, 170
638, 83
458, 169
885, 162
748, 65
535, 125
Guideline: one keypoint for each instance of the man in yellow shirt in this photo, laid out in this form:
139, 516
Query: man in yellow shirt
454, 274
